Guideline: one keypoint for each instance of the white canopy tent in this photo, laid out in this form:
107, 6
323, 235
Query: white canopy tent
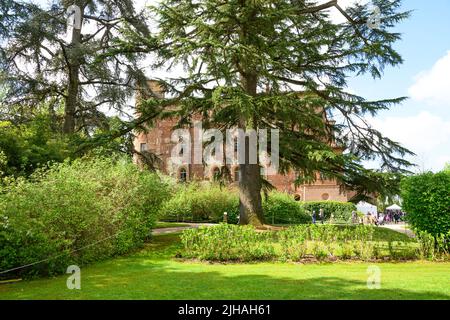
394, 207
366, 207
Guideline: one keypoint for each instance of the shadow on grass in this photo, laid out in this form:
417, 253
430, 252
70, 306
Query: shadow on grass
151, 274
163, 281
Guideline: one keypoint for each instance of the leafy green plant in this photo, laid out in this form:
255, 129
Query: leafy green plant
77, 212
427, 202
226, 242
343, 250
195, 202
319, 250
342, 211
281, 208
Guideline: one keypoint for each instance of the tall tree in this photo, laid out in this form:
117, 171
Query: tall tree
283, 64
39, 66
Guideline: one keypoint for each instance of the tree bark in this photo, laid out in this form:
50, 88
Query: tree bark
250, 201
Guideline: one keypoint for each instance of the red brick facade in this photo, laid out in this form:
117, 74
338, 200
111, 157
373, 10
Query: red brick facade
158, 141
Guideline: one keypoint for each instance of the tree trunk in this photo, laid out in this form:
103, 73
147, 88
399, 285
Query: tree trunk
250, 201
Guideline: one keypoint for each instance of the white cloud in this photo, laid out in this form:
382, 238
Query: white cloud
433, 86
425, 134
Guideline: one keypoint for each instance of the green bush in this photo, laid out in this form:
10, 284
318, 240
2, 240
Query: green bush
227, 242
196, 202
342, 211
426, 199
281, 208
104, 207
321, 242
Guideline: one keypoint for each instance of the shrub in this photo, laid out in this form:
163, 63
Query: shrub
323, 242
319, 250
342, 211
427, 202
196, 202
432, 247
104, 207
227, 242
281, 208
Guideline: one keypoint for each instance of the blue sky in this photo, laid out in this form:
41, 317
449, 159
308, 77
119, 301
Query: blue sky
422, 123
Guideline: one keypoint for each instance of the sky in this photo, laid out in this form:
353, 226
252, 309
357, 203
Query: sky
422, 123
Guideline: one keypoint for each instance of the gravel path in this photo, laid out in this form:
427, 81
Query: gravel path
178, 229
400, 227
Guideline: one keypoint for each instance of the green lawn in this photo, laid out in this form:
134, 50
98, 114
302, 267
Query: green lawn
152, 274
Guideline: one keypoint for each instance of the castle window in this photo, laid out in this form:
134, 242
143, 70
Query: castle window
235, 145
325, 196
183, 175
143, 147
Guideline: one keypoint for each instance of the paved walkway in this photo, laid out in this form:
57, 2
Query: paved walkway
178, 229
400, 227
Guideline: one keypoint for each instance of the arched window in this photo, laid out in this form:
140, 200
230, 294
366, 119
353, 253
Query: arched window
183, 175
237, 174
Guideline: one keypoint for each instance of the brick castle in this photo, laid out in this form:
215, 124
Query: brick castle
158, 141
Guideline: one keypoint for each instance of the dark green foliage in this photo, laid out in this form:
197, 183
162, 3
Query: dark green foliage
426, 200
342, 211
196, 202
281, 208
283, 64
101, 207
31, 145
64, 75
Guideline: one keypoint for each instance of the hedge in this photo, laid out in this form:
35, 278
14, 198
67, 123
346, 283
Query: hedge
426, 200
281, 208
342, 211
206, 202
197, 202
76, 213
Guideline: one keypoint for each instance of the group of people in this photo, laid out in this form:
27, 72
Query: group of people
320, 217
378, 218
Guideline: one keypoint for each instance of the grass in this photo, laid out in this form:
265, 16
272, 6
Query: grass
152, 273
164, 225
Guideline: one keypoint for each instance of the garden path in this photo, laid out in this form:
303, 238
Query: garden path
178, 229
